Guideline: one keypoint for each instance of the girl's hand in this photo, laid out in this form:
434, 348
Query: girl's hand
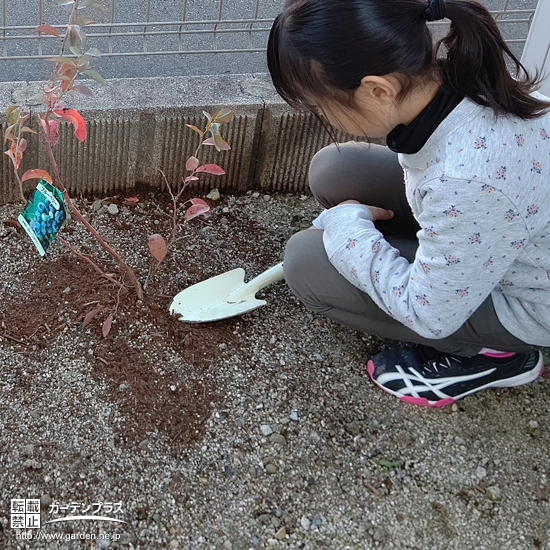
378, 214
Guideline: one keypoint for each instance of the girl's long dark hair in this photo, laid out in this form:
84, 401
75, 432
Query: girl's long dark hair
321, 49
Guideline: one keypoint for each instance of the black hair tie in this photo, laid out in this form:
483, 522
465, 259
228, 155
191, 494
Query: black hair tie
435, 10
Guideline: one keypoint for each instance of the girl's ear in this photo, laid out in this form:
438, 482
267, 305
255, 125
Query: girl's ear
381, 89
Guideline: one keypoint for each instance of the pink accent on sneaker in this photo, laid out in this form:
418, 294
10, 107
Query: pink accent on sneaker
423, 402
370, 369
499, 355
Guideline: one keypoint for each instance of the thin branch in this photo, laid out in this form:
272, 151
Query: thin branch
174, 211
92, 263
8, 337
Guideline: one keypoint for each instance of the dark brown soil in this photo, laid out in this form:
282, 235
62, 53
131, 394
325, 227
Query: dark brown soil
157, 369
169, 402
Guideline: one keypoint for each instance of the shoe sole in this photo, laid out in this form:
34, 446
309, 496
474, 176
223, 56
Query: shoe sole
520, 380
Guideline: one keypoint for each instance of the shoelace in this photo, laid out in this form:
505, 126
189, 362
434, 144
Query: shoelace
433, 360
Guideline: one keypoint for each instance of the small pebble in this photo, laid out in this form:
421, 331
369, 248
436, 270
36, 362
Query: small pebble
214, 195
493, 492
316, 522
305, 523
379, 535
27, 450
533, 424
112, 209
277, 439
281, 533
266, 430
295, 415
264, 519
271, 468
481, 472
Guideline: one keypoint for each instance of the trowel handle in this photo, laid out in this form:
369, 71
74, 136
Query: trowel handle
272, 275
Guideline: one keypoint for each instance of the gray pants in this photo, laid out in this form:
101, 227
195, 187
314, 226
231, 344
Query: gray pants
371, 174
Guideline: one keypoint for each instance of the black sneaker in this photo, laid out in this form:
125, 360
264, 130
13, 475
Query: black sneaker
424, 376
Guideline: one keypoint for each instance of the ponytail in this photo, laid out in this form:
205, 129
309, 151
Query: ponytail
475, 63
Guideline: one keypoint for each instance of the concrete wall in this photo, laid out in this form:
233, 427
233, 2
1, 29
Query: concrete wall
136, 127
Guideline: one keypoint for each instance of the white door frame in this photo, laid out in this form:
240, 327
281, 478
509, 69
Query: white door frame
536, 53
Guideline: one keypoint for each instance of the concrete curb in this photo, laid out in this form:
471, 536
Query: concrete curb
136, 127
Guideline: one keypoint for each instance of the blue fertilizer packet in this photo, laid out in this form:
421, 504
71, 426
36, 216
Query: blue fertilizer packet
44, 216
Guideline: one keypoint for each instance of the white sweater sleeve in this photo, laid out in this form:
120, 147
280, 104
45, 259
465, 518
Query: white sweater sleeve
470, 235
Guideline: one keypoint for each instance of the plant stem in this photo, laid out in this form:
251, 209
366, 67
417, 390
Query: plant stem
92, 263
80, 217
20, 184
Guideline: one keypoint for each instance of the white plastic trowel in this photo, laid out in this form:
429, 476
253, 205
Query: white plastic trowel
223, 296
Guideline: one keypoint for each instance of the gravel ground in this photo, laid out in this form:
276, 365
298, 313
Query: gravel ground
295, 449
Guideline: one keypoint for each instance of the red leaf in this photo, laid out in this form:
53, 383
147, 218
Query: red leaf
218, 142
16, 150
90, 316
196, 210
213, 169
76, 119
192, 164
54, 130
36, 174
190, 178
107, 325
10, 154
130, 201
47, 29
195, 129
157, 246
196, 201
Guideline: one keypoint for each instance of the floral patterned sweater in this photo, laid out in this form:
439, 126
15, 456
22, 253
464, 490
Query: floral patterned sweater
480, 190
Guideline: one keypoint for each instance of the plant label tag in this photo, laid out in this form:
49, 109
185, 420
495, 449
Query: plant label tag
44, 216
